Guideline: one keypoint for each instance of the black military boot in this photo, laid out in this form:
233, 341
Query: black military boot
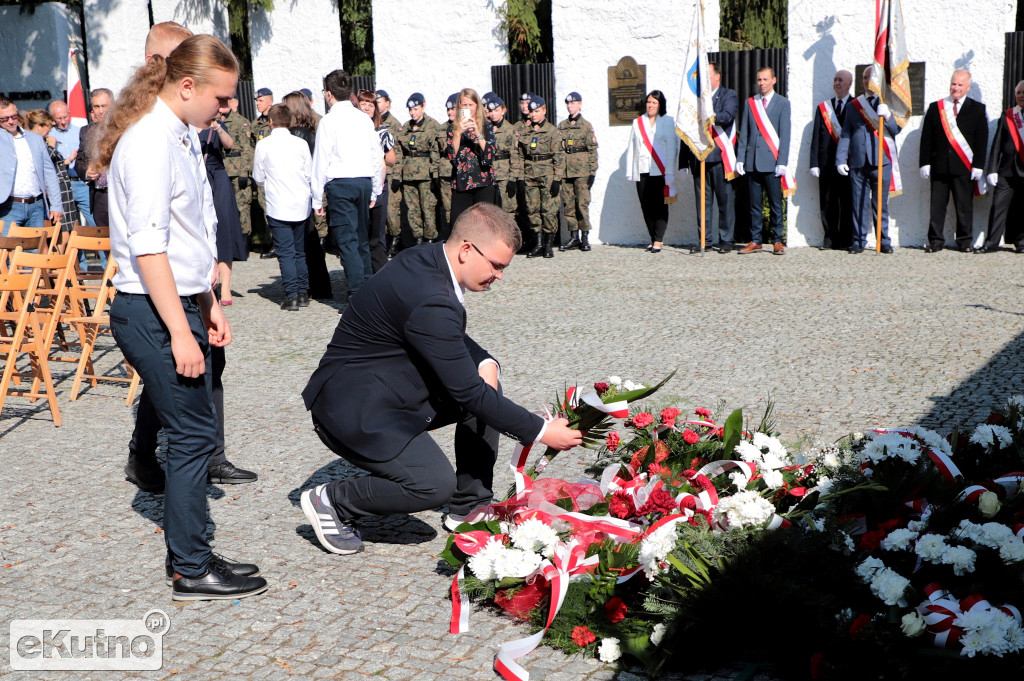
584, 241
573, 242
538, 248
392, 245
549, 242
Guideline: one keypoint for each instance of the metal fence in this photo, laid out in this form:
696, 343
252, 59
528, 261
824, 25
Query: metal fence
511, 80
363, 83
1013, 67
246, 102
739, 69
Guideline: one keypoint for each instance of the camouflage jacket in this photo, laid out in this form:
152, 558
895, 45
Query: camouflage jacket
580, 145
542, 152
260, 129
238, 160
416, 154
444, 166
508, 164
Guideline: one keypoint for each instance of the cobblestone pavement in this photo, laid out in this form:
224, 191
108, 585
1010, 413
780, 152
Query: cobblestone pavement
841, 342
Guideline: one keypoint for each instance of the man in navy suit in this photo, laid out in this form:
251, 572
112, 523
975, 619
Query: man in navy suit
28, 181
400, 365
857, 158
833, 188
954, 160
762, 154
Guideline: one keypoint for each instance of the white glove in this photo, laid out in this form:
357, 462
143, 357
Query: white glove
884, 111
739, 168
843, 169
670, 182
993, 179
926, 172
780, 171
976, 174
815, 172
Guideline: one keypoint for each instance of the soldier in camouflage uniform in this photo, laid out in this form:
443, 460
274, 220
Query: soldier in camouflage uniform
238, 162
580, 144
416, 160
260, 128
445, 172
508, 165
543, 170
395, 178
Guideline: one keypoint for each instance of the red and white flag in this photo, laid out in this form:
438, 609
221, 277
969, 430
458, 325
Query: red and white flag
76, 98
696, 113
890, 70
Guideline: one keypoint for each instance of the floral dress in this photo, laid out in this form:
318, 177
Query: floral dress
473, 166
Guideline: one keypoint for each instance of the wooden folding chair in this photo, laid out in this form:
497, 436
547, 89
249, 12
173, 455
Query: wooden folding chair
51, 298
47, 236
8, 245
17, 291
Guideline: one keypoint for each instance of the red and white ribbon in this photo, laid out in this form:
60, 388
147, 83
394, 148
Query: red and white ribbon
460, 605
957, 140
1015, 126
828, 114
771, 138
726, 143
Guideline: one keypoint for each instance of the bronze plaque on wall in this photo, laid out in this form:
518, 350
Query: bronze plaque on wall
627, 87
916, 73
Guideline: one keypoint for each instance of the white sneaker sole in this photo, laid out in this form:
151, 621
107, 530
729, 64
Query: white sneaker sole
306, 502
217, 597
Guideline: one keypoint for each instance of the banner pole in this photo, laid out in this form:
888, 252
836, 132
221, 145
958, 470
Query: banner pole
703, 207
881, 157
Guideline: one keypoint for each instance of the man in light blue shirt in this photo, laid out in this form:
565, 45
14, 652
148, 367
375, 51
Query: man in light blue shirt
29, 191
68, 135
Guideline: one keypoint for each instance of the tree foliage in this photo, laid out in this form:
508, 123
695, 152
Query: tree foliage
357, 36
755, 23
527, 28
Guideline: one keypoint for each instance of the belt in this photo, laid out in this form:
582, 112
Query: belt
539, 157
232, 154
502, 156
30, 200
100, 189
193, 299
575, 150
417, 154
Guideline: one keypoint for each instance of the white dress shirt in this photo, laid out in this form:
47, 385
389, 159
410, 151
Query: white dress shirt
26, 181
161, 202
347, 146
282, 166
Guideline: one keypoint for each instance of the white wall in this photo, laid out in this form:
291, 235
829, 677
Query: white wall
34, 51
115, 34
823, 39
655, 38
435, 47
294, 49
209, 16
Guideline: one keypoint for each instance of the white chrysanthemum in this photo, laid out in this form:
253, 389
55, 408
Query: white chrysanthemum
629, 385
996, 534
615, 380
658, 633
987, 435
830, 458
744, 509
748, 451
932, 439
917, 526
481, 563
655, 547
898, 540
868, 568
1012, 550
823, 486
773, 479
609, 650
515, 563
974, 532
989, 631
738, 479
1016, 401
848, 543
534, 535
931, 547
961, 558
890, 586
892, 445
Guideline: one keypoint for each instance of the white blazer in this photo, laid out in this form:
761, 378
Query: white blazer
665, 142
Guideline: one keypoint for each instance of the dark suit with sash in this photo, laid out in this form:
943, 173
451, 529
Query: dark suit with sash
833, 189
399, 365
726, 105
1008, 195
759, 164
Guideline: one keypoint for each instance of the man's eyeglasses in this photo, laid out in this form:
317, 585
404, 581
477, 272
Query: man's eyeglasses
12, 117
495, 266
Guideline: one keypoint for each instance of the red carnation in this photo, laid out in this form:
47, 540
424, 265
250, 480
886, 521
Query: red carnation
870, 541
658, 469
701, 411
995, 419
615, 610
857, 625
582, 636
643, 419
697, 462
659, 501
621, 505
690, 437
601, 387
669, 416
703, 482
688, 502
719, 432
612, 441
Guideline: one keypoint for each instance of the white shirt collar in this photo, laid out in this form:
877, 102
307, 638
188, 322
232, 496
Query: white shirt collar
178, 129
280, 131
460, 292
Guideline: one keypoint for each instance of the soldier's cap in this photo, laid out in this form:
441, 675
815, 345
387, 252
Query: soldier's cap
494, 102
573, 97
525, 97
264, 92
536, 102
488, 96
306, 91
384, 94
452, 101
415, 99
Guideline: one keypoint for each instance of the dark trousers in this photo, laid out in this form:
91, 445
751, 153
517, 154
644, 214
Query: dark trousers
837, 216
420, 477
1007, 199
290, 246
961, 187
716, 188
348, 217
765, 182
378, 225
651, 192
184, 407
98, 203
864, 190
316, 265
463, 200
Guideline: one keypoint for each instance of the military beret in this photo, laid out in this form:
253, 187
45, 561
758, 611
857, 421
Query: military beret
573, 97
415, 99
264, 92
384, 94
452, 101
494, 102
525, 97
306, 91
488, 96
536, 102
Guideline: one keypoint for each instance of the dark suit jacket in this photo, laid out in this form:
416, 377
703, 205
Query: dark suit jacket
85, 151
823, 147
752, 150
858, 146
1003, 157
935, 148
400, 363
726, 105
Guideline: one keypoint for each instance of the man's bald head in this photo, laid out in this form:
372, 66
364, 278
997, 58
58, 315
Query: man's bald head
841, 83
164, 37
960, 84
61, 115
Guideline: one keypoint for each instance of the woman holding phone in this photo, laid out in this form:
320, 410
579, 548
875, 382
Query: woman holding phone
471, 151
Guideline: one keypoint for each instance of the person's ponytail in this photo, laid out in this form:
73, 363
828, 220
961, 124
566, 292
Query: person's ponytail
134, 102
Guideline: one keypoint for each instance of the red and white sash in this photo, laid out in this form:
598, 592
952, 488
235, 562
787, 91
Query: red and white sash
957, 140
870, 116
1015, 125
670, 196
771, 138
828, 114
726, 143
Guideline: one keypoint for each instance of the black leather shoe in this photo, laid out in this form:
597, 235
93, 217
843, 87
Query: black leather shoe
988, 249
967, 249
241, 569
933, 248
855, 250
228, 474
269, 254
303, 300
887, 250
724, 247
290, 304
145, 473
217, 584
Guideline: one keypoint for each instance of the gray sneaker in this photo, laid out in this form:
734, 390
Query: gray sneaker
334, 534
452, 521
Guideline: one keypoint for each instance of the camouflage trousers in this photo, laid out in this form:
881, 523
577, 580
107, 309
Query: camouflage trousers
394, 211
541, 206
243, 198
576, 202
507, 198
420, 205
445, 227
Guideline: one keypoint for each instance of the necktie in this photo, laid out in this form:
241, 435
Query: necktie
956, 108
764, 102
839, 109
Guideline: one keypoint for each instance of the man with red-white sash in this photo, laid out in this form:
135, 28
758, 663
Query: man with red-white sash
857, 158
1006, 175
833, 188
954, 139
762, 154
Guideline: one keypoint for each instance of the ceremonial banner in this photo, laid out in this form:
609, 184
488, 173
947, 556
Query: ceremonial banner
890, 70
696, 113
76, 98
870, 117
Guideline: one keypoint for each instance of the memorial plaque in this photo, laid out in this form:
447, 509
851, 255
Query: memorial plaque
627, 89
916, 74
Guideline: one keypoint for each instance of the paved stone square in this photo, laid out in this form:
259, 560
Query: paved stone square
840, 342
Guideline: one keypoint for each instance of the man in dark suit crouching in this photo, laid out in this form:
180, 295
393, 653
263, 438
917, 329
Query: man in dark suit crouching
400, 365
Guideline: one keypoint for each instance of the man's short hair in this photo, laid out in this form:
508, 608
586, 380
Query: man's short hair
486, 222
767, 68
165, 33
339, 84
4, 102
713, 66
102, 91
280, 115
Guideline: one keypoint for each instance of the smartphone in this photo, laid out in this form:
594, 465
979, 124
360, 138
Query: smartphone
464, 113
